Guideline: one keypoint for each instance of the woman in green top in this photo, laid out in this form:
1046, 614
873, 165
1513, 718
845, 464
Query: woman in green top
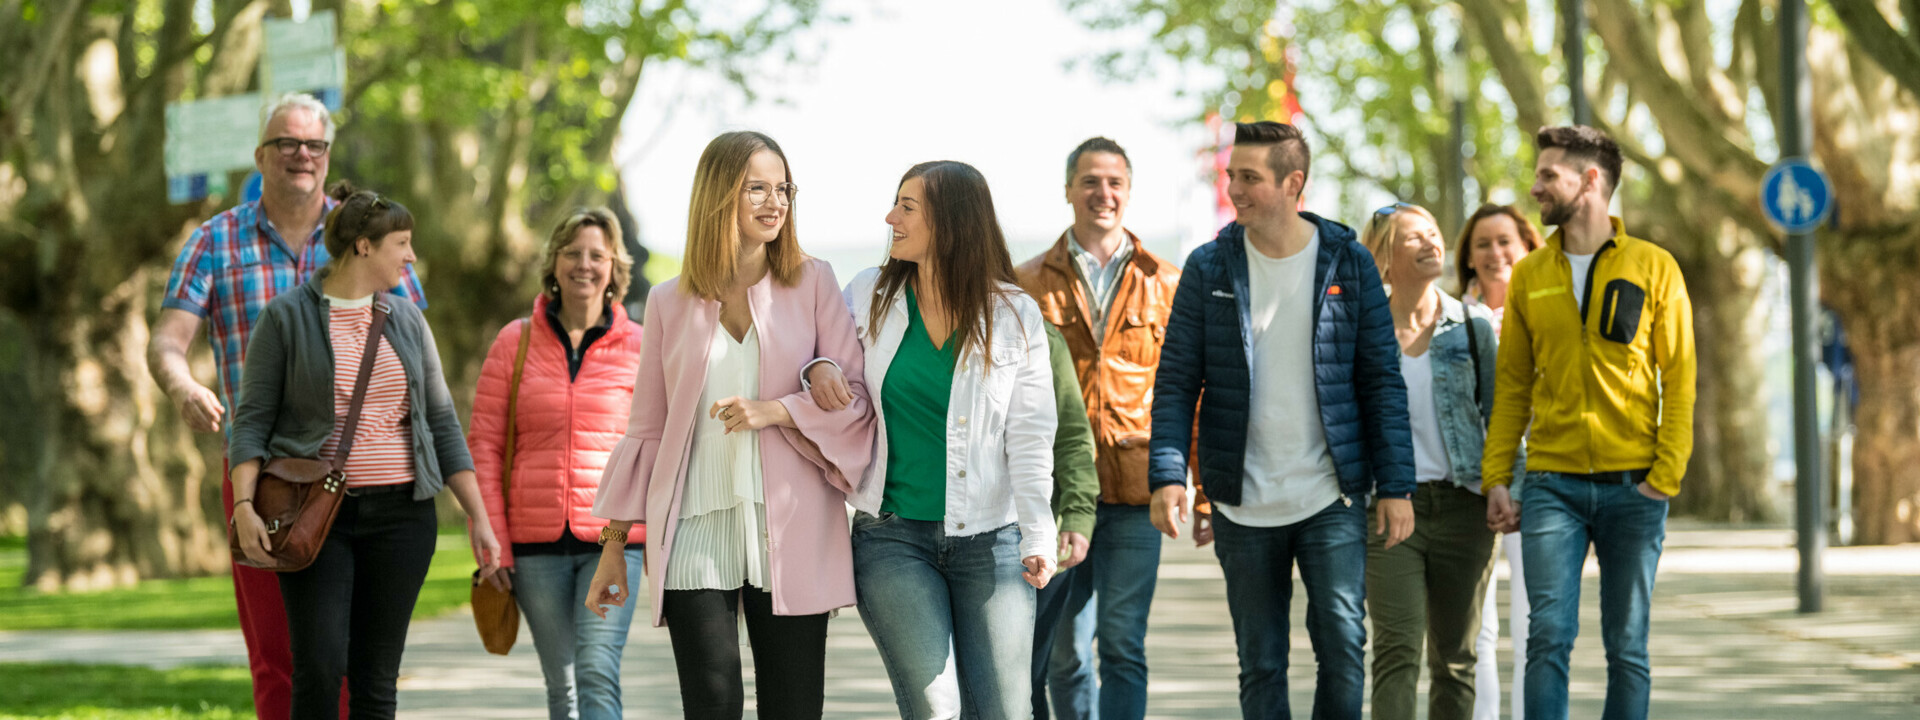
955, 530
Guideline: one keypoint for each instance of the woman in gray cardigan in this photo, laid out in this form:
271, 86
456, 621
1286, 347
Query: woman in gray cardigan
347, 613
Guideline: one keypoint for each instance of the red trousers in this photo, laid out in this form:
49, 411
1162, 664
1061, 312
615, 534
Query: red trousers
263, 623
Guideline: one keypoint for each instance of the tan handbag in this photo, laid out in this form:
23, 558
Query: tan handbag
495, 613
298, 498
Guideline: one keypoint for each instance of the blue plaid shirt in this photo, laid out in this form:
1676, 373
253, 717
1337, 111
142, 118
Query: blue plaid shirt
235, 264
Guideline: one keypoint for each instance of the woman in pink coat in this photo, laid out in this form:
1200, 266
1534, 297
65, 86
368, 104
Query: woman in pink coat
576, 386
739, 475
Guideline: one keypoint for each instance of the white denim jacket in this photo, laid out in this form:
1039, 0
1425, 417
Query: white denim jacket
1000, 423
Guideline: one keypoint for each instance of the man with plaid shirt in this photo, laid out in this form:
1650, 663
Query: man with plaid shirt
227, 272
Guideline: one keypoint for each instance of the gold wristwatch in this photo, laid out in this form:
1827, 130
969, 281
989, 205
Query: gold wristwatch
608, 534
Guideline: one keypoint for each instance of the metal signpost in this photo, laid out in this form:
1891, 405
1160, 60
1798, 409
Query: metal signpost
1797, 199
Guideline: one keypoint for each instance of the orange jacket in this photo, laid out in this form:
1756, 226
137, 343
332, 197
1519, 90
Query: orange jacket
1116, 371
565, 428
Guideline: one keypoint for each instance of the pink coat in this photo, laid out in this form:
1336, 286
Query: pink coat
806, 472
565, 429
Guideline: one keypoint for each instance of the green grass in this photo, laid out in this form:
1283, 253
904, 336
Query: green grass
191, 604
50, 691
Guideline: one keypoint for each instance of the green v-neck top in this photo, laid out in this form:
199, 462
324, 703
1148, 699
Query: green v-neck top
918, 385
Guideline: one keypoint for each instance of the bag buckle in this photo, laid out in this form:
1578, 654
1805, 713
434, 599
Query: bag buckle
273, 526
334, 481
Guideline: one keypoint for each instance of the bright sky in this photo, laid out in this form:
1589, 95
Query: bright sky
981, 82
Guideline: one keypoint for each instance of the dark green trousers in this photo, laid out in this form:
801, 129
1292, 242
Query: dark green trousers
1428, 589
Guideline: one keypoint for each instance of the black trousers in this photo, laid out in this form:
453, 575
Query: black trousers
789, 655
347, 613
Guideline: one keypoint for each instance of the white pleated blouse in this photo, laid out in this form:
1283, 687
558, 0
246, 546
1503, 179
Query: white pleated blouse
721, 541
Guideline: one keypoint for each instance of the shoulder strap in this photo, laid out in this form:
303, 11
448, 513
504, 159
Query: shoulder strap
380, 312
1473, 351
513, 404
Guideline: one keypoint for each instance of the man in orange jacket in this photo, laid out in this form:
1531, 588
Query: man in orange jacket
1109, 297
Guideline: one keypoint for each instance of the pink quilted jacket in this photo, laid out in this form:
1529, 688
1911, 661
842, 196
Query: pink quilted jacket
566, 429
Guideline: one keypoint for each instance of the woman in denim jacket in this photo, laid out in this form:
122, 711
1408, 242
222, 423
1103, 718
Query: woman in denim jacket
1428, 589
955, 530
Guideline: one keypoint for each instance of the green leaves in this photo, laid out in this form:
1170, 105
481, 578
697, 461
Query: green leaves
1369, 75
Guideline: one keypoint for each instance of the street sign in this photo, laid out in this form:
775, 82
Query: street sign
301, 57
288, 37
201, 135
1796, 196
308, 72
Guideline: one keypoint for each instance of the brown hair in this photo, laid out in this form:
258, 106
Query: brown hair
1100, 144
1585, 146
564, 234
713, 228
1463, 252
967, 253
1382, 235
360, 214
1289, 153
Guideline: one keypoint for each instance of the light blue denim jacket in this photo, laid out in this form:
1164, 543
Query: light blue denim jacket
1463, 421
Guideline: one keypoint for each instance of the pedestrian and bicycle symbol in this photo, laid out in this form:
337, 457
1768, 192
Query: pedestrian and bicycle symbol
1796, 196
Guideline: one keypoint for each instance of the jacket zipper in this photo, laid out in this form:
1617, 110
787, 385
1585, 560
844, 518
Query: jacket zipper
566, 469
1586, 347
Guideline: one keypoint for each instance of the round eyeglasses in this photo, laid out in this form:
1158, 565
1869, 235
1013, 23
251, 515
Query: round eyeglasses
759, 193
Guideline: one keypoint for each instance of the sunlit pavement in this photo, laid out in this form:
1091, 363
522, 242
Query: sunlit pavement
1727, 643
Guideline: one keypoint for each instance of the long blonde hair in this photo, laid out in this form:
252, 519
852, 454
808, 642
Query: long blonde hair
713, 227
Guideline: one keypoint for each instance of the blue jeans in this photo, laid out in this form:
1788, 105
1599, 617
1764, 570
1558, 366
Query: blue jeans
1561, 516
1107, 598
1331, 549
1051, 638
579, 652
951, 616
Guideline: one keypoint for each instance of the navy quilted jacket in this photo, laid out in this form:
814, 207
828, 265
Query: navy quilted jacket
1356, 368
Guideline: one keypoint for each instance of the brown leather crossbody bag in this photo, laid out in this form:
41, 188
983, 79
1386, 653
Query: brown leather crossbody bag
296, 497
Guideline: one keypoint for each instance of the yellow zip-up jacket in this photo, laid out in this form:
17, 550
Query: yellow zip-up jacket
1605, 390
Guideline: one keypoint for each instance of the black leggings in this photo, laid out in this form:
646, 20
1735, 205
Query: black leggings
347, 613
789, 655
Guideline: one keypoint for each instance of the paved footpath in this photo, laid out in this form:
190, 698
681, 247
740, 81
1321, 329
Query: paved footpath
1727, 643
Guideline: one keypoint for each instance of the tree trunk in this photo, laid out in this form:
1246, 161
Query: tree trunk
1870, 282
120, 496
1730, 476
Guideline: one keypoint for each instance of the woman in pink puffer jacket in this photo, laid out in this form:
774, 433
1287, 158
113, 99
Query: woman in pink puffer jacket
576, 389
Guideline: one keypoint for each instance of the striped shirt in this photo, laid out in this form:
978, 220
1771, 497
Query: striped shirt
235, 264
721, 540
382, 453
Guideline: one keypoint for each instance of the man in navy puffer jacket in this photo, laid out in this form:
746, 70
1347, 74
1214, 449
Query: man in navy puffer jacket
1281, 341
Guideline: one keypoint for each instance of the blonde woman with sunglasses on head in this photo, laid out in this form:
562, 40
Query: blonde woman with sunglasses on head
1427, 591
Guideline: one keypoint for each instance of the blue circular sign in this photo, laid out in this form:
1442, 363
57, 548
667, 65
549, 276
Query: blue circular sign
1796, 196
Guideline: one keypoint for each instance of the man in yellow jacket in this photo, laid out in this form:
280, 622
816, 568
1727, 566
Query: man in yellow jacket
1596, 369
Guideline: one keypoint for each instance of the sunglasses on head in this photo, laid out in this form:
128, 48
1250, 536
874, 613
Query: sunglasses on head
1391, 209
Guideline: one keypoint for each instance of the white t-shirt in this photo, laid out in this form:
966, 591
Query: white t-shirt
1581, 263
1429, 450
1289, 473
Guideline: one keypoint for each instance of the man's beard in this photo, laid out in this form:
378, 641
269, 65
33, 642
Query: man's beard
1556, 214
